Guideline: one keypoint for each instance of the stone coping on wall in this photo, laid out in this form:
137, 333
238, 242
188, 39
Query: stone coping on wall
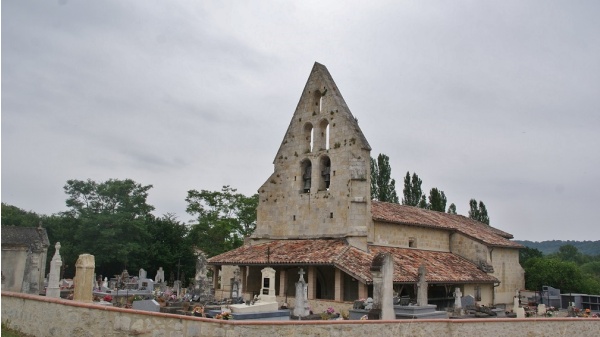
304, 322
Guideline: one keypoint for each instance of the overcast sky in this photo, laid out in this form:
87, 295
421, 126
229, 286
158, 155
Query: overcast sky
493, 100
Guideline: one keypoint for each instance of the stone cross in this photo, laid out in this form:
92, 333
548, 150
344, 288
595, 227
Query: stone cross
84, 278
54, 278
301, 273
301, 306
422, 286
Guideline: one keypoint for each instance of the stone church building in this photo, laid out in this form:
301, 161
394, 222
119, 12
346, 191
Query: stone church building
315, 212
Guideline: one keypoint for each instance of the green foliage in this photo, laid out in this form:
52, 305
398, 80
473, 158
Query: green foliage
413, 195
110, 221
565, 276
224, 219
569, 253
592, 268
528, 253
478, 213
590, 248
568, 269
167, 247
14, 216
383, 187
8, 332
437, 200
452, 209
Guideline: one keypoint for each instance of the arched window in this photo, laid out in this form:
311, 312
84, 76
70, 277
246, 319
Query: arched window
325, 173
323, 140
309, 136
306, 174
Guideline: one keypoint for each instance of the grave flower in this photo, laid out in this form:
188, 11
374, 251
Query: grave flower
107, 298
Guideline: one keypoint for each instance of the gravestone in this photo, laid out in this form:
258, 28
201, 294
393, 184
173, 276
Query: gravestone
201, 290
266, 301
84, 278
301, 306
267, 291
146, 305
467, 301
541, 309
422, 286
457, 302
160, 275
520, 312
382, 272
177, 287
457, 299
236, 284
53, 289
517, 302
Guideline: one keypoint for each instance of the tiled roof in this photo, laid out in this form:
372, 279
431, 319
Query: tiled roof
442, 267
24, 236
409, 215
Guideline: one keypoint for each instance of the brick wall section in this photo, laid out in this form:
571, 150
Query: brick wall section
41, 316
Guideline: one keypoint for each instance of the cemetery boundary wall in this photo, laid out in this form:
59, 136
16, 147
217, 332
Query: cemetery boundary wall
42, 316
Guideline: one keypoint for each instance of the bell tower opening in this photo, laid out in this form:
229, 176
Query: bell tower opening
325, 169
309, 135
306, 170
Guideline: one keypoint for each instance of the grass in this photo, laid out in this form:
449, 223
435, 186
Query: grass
8, 332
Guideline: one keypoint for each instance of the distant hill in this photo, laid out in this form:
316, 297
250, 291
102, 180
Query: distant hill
548, 247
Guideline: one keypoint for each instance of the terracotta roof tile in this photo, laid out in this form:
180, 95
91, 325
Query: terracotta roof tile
409, 215
442, 267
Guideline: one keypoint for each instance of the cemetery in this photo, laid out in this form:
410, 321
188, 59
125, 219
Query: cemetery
324, 260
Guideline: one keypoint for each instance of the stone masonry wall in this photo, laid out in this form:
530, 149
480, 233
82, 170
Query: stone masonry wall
399, 236
290, 209
510, 273
41, 316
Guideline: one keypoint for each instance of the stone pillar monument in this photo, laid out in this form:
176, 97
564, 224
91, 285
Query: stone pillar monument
301, 306
53, 289
84, 278
422, 286
382, 271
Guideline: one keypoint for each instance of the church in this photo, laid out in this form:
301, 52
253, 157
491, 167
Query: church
315, 213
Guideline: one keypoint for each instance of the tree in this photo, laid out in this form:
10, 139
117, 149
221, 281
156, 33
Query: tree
168, 248
541, 271
111, 222
437, 200
452, 209
383, 187
224, 218
15, 216
528, 253
413, 195
478, 213
570, 253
